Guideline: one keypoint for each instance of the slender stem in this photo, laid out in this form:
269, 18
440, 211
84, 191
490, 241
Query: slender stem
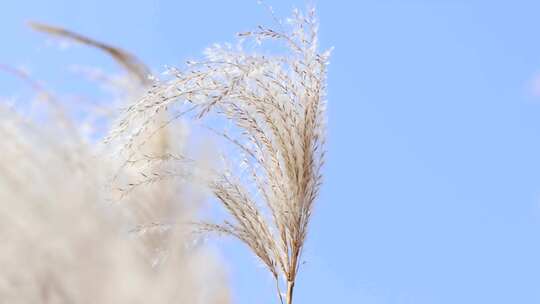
290, 288
278, 290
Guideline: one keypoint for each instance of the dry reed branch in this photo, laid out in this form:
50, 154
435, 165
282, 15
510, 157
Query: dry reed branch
131, 63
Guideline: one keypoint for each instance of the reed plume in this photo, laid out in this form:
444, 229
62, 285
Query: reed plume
70, 239
275, 102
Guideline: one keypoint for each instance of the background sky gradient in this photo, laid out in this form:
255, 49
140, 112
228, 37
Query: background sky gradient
432, 190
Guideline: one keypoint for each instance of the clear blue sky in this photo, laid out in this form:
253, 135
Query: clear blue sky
432, 190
